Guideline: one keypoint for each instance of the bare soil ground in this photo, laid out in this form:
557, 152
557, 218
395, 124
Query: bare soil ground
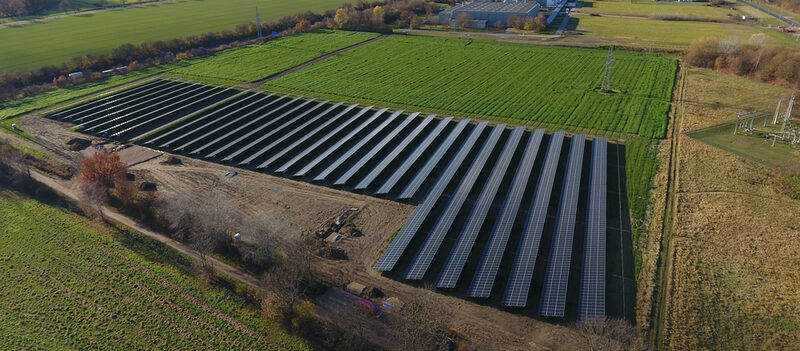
304, 207
735, 271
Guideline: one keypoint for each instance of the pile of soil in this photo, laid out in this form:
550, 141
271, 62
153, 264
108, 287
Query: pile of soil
172, 160
147, 186
78, 144
373, 293
61, 172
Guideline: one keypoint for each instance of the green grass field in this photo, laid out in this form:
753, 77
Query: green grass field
638, 8
645, 32
51, 42
522, 84
252, 63
72, 284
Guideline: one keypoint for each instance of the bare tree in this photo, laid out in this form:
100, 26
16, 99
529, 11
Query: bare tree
262, 230
610, 334
177, 210
730, 45
91, 198
758, 40
288, 279
463, 20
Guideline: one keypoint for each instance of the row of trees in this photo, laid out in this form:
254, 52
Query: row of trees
15, 85
11, 8
751, 58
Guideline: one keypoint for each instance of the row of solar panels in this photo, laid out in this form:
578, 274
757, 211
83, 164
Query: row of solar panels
554, 294
392, 155
128, 114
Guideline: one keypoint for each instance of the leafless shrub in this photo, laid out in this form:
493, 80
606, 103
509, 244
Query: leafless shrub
610, 334
91, 198
288, 279
262, 231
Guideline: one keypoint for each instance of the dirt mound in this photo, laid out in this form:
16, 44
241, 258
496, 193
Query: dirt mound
333, 253
373, 293
44, 166
172, 160
78, 144
148, 186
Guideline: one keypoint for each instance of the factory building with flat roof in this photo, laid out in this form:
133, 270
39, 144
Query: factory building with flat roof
483, 13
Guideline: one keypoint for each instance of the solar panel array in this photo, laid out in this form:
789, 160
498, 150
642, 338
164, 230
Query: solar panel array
522, 271
404, 236
446, 218
554, 295
474, 214
153, 105
592, 303
483, 281
458, 256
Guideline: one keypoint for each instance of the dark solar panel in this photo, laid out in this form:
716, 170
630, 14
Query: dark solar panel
147, 127
419, 151
343, 140
484, 277
432, 162
267, 132
322, 140
375, 149
308, 135
404, 236
394, 153
113, 99
357, 147
445, 220
220, 129
289, 134
106, 116
103, 122
592, 304
554, 293
175, 134
460, 252
519, 281
249, 123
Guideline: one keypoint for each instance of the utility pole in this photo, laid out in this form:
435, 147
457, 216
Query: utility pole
606, 87
258, 23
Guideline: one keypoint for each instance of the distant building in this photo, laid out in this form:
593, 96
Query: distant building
484, 13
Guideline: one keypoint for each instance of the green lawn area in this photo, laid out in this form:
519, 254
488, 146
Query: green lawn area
51, 42
69, 283
520, 84
638, 8
648, 32
752, 147
50, 98
255, 62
